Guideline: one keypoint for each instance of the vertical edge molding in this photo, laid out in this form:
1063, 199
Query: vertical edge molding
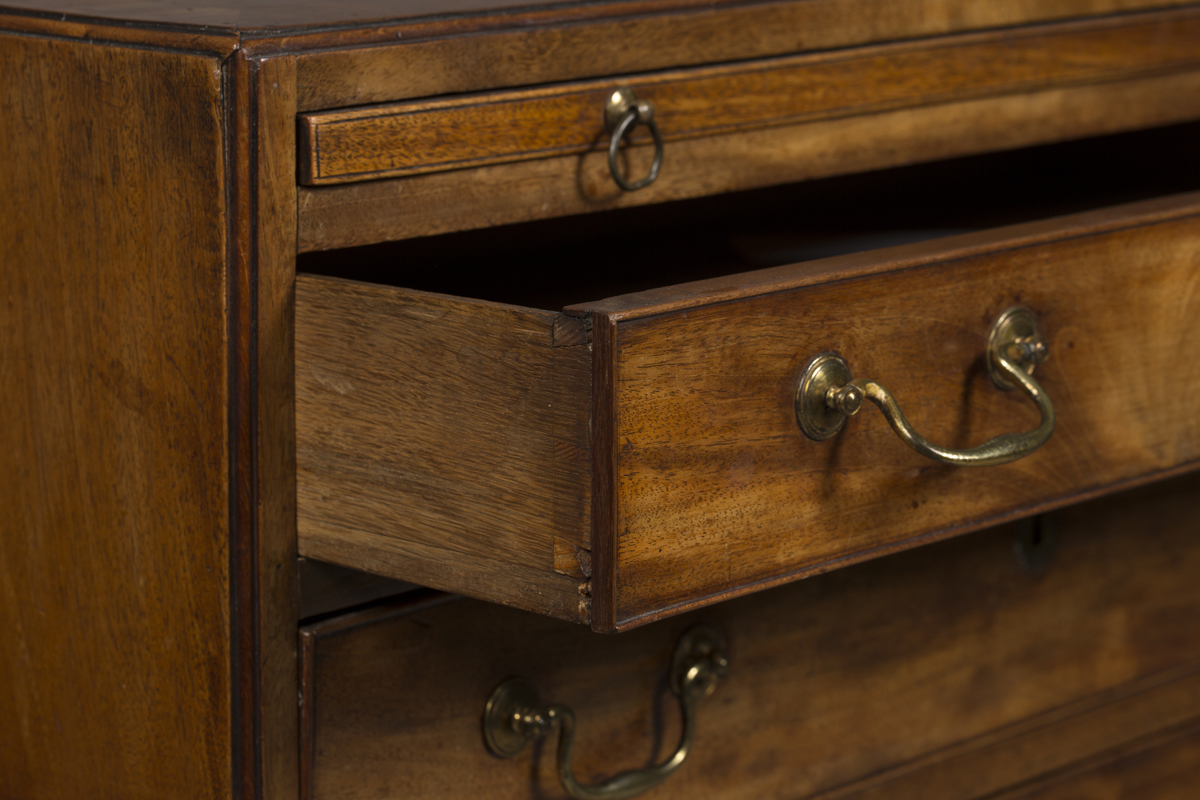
275, 249
260, 109
243, 616
604, 497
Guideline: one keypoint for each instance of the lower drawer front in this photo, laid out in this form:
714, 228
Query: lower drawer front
1166, 769
952, 671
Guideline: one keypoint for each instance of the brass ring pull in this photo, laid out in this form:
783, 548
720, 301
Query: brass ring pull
514, 716
622, 113
828, 394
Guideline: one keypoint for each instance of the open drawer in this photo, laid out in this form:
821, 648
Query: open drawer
635, 457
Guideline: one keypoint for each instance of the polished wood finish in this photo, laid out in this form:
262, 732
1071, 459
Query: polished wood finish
953, 653
458, 132
119, 675
148, 571
273, 85
444, 442
351, 49
355, 214
239, 126
424, 58
112, 31
364, 51
355, 16
1063, 742
1166, 768
161, 658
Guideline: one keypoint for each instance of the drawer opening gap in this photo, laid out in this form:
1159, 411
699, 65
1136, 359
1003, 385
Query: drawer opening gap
551, 264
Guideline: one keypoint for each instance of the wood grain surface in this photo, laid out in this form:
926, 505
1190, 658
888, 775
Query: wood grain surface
265, 17
717, 489
1095, 731
1165, 770
953, 653
458, 132
115, 539
372, 51
272, 90
220, 43
444, 442
325, 588
374, 211
423, 58
242, 447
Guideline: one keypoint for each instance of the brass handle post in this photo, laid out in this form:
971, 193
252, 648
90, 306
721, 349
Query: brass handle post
828, 395
622, 113
514, 716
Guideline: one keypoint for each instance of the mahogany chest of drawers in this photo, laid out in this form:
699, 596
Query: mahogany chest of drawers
359, 358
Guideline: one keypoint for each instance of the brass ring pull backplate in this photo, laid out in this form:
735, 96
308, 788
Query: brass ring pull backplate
622, 113
828, 394
515, 715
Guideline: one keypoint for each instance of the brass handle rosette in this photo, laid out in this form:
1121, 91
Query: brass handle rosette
514, 716
828, 394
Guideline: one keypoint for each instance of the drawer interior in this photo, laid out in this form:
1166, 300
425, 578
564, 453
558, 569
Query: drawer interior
554, 263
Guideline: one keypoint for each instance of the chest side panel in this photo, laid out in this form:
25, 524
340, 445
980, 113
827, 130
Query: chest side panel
115, 675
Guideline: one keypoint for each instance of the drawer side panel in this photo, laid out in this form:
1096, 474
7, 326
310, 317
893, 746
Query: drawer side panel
444, 442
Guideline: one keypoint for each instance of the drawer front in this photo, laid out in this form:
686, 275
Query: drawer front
952, 671
1161, 770
715, 490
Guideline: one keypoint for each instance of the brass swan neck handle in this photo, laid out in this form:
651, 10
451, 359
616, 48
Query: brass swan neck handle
828, 395
514, 716
624, 784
